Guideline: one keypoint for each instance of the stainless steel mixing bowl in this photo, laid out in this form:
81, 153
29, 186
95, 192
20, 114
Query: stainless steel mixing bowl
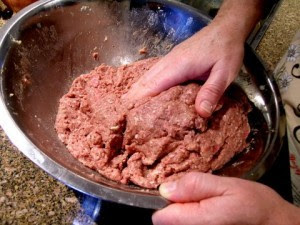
45, 46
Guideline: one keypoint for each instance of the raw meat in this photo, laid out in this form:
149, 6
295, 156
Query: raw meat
154, 140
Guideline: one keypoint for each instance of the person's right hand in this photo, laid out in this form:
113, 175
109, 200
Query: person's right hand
208, 199
214, 53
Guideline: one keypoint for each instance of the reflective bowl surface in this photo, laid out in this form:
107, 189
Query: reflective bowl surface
47, 45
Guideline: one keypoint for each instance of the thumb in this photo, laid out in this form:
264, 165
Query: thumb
222, 74
194, 187
212, 90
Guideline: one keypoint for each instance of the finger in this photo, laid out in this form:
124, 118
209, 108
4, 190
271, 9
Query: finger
196, 213
194, 187
168, 72
179, 214
160, 77
152, 82
212, 90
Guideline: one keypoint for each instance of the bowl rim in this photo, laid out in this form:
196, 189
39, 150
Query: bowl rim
64, 175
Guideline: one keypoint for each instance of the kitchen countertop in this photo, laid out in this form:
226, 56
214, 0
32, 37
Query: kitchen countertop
29, 195
280, 33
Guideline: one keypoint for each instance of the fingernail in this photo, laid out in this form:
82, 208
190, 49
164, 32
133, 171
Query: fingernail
167, 189
206, 106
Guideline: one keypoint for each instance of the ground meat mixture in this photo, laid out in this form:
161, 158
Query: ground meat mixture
154, 140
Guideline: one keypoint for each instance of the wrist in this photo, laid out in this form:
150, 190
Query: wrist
239, 17
228, 31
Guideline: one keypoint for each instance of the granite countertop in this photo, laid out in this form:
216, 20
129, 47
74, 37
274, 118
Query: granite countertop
280, 33
29, 195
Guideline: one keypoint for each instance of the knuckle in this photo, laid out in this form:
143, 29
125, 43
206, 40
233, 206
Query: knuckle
192, 182
212, 90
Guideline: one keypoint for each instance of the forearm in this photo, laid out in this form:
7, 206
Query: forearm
239, 17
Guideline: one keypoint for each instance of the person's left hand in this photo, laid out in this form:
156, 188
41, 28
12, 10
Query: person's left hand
209, 199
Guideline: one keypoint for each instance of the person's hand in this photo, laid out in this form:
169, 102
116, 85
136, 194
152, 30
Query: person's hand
215, 53
209, 199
